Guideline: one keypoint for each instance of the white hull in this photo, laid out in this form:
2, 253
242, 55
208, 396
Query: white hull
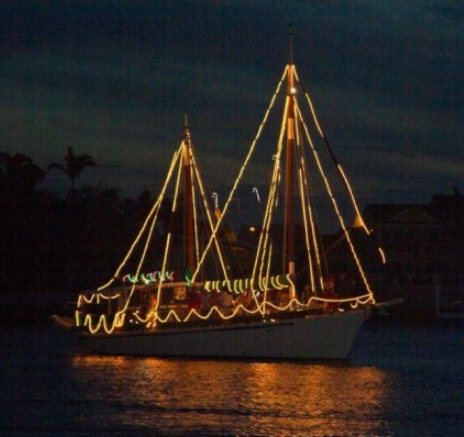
313, 337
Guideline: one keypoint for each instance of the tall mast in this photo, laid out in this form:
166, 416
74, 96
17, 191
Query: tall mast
289, 172
188, 198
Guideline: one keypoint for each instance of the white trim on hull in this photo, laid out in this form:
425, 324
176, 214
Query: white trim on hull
313, 337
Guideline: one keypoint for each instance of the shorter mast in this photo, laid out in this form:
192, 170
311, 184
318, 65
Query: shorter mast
188, 198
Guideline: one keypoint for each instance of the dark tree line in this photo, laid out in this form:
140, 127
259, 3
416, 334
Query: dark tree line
50, 244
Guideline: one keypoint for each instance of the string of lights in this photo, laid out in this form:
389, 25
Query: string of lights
147, 220
306, 209
208, 215
242, 170
336, 208
261, 281
339, 167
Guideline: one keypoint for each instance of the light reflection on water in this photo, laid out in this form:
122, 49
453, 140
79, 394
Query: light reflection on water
400, 382
242, 398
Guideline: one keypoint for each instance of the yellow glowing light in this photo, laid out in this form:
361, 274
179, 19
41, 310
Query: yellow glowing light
209, 217
168, 239
154, 317
153, 211
195, 215
353, 199
120, 315
307, 210
260, 257
239, 177
241, 285
103, 323
342, 173
260, 280
263, 306
336, 208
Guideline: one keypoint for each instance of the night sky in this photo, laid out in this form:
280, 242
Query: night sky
112, 79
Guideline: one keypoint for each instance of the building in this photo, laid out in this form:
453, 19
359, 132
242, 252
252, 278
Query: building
423, 243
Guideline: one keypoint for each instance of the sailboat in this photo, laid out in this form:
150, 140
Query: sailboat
194, 305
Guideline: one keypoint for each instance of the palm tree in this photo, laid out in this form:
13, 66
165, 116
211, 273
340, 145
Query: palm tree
73, 168
75, 165
19, 177
18, 174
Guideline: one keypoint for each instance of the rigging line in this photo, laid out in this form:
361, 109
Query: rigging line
209, 215
314, 234
216, 265
195, 222
270, 207
266, 281
194, 201
142, 259
242, 170
209, 220
303, 199
309, 211
267, 224
264, 235
332, 154
269, 264
214, 256
335, 204
168, 240
272, 193
265, 232
306, 229
307, 183
142, 230
337, 242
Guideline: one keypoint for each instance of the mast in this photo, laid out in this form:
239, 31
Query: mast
289, 172
188, 198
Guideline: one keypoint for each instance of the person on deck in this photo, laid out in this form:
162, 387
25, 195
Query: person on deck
329, 293
283, 298
226, 303
206, 301
242, 301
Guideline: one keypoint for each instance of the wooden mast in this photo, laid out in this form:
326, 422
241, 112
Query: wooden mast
188, 198
289, 172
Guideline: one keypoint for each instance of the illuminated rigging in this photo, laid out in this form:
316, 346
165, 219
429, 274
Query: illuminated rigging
291, 169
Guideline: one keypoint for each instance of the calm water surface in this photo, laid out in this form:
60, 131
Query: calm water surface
400, 382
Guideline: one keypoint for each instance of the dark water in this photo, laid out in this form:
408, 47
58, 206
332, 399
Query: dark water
400, 382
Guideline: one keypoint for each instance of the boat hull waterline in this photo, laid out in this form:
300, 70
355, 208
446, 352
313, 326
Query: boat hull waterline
312, 337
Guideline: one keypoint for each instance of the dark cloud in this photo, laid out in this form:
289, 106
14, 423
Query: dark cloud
112, 78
